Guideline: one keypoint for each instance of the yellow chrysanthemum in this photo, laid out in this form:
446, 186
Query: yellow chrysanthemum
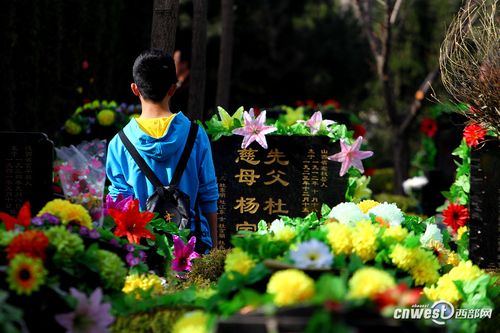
147, 282
395, 234
192, 322
239, 261
402, 257
445, 288
340, 238
364, 240
424, 273
420, 263
461, 231
366, 205
453, 259
286, 234
290, 286
368, 282
106, 117
67, 212
72, 128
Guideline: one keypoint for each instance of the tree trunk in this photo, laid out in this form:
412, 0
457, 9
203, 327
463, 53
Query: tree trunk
164, 25
401, 158
196, 102
225, 54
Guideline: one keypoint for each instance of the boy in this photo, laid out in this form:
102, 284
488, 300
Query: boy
160, 135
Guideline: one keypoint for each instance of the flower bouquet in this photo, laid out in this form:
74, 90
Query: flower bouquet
82, 175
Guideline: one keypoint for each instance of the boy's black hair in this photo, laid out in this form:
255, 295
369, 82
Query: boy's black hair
154, 73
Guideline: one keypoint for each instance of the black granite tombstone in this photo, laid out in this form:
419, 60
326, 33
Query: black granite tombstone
25, 170
484, 237
292, 177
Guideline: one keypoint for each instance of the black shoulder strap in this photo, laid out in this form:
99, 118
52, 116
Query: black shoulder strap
188, 147
179, 170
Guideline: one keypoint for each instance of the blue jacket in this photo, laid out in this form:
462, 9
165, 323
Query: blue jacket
162, 155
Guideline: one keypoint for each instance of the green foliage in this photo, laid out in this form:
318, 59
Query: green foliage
209, 267
158, 321
459, 190
11, 318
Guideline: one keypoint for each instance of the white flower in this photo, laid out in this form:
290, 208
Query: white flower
414, 183
347, 213
277, 226
431, 233
390, 213
312, 254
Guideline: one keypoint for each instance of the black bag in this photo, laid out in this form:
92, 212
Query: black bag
168, 200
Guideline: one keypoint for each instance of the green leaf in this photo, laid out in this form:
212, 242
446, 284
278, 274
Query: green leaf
331, 287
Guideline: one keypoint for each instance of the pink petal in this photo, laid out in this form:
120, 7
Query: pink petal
191, 244
361, 155
248, 117
358, 165
251, 113
339, 157
344, 146
355, 146
345, 167
240, 131
261, 119
247, 140
178, 245
267, 130
261, 139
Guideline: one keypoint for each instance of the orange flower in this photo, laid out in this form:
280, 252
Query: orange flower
31, 243
23, 218
132, 223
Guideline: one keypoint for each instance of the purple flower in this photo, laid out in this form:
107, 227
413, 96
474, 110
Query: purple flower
132, 260
52, 219
142, 255
37, 221
89, 316
183, 254
129, 247
114, 242
121, 203
254, 129
84, 231
94, 234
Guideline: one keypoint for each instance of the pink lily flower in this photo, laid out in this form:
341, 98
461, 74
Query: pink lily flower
183, 254
316, 122
350, 155
254, 129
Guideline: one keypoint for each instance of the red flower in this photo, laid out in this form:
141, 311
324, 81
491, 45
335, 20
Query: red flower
370, 172
400, 295
455, 216
31, 243
310, 103
23, 218
473, 134
332, 102
132, 222
299, 103
359, 130
428, 127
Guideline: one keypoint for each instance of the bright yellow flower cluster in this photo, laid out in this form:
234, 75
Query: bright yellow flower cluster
364, 240
239, 261
192, 322
286, 234
67, 212
461, 231
147, 282
366, 205
340, 238
420, 263
445, 289
394, 234
368, 282
290, 286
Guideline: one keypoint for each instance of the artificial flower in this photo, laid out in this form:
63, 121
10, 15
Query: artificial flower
414, 183
359, 130
394, 234
239, 261
312, 254
31, 243
89, 316
281, 231
350, 155
445, 288
347, 213
362, 190
183, 254
23, 217
340, 238
46, 217
146, 282
366, 205
331, 102
25, 274
364, 240
461, 231
121, 203
67, 244
192, 322
67, 212
432, 233
254, 130
132, 223
474, 133
293, 115
316, 122
7, 236
367, 282
420, 263
428, 127
445, 256
106, 117
227, 121
111, 269
389, 212
132, 260
400, 296
72, 127
290, 286
455, 216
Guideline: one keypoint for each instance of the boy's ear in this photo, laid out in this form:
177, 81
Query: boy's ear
135, 89
171, 91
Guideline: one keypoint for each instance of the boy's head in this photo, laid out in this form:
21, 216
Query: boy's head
154, 75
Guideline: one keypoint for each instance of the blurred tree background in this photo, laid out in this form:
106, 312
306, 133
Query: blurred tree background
283, 51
